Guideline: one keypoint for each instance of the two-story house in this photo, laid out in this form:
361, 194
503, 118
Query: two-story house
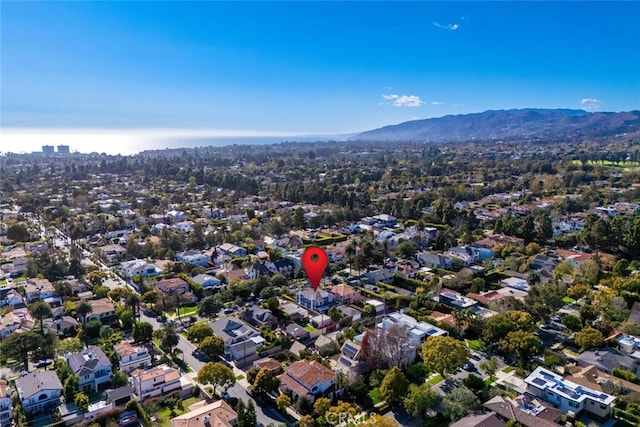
233, 250
140, 267
567, 395
132, 357
240, 340
207, 281
103, 310
17, 320
92, 367
6, 408
345, 294
442, 261
319, 301
259, 316
309, 379
39, 289
157, 381
175, 286
194, 257
39, 391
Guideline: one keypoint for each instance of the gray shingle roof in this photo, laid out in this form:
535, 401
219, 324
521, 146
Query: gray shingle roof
36, 382
85, 362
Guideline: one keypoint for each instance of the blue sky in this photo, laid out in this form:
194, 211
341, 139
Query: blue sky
308, 67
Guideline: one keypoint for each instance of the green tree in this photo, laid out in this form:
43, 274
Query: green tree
394, 386
18, 233
168, 338
335, 314
406, 250
212, 346
589, 338
420, 399
444, 354
82, 401
70, 388
459, 403
84, 309
143, 332
283, 402
321, 406
572, 322
524, 343
216, 374
198, 332
19, 345
489, 366
209, 307
266, 382
496, 328
40, 310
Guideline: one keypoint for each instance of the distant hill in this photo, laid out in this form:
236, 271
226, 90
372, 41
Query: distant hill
499, 124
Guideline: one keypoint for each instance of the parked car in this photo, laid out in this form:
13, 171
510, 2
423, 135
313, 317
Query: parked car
468, 366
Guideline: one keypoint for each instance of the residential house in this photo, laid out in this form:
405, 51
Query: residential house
112, 253
216, 414
485, 297
378, 305
6, 407
175, 286
39, 391
350, 312
344, 294
524, 410
259, 316
319, 300
310, 379
92, 367
207, 281
293, 310
352, 361
516, 283
39, 289
608, 359
592, 377
480, 420
184, 226
61, 326
419, 331
11, 297
297, 332
233, 250
268, 363
464, 255
141, 268
567, 395
441, 261
194, 257
176, 216
383, 275
499, 240
158, 381
455, 300
131, 356
103, 310
282, 266
15, 321
240, 340
120, 396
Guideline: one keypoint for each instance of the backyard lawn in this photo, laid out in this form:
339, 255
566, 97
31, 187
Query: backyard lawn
475, 345
188, 311
435, 380
163, 416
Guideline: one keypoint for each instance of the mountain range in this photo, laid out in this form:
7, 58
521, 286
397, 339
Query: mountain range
516, 123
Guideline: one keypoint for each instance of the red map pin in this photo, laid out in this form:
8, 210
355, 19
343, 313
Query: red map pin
314, 261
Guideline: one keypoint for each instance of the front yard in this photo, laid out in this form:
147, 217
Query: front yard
164, 415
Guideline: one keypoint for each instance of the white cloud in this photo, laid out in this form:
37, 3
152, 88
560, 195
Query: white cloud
590, 104
403, 100
450, 27
436, 103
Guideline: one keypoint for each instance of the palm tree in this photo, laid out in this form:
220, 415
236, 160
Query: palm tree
84, 309
133, 301
40, 310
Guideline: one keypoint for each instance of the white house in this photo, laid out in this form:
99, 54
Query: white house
194, 257
39, 391
132, 357
418, 331
435, 260
6, 408
140, 267
157, 381
92, 367
567, 395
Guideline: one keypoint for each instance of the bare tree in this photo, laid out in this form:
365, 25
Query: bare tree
388, 346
